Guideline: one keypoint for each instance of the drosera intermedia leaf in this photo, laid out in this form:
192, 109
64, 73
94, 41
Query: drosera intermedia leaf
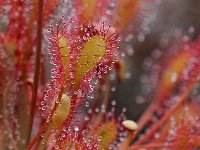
91, 54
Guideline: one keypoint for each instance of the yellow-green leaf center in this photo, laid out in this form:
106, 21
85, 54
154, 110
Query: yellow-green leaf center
91, 54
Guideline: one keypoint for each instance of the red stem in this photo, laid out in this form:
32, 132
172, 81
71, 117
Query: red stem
45, 124
96, 102
37, 68
157, 125
147, 115
152, 146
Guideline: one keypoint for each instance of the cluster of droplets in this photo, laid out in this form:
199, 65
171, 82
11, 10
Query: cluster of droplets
82, 57
73, 138
106, 127
182, 128
57, 72
180, 65
69, 44
106, 132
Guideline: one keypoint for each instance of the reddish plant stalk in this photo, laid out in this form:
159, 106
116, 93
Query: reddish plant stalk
45, 125
105, 100
105, 103
153, 145
167, 115
37, 68
147, 115
95, 105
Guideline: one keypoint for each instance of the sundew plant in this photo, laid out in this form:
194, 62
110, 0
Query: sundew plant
60, 61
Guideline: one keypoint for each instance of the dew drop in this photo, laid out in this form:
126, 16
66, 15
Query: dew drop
87, 104
43, 108
76, 129
42, 103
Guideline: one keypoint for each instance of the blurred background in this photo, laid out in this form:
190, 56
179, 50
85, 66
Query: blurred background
173, 17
